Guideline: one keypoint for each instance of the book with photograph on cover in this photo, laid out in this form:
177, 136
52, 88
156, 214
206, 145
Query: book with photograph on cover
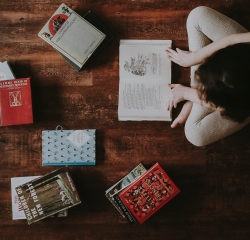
123, 183
15, 102
147, 194
68, 147
145, 72
48, 195
75, 38
17, 208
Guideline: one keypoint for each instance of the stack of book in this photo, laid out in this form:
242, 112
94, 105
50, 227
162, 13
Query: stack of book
143, 193
40, 197
76, 38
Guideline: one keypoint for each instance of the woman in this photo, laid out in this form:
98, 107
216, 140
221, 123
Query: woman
217, 103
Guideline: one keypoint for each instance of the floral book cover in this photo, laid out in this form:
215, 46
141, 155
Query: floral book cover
148, 193
15, 102
48, 195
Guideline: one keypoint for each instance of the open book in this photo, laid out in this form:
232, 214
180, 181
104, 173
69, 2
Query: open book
145, 72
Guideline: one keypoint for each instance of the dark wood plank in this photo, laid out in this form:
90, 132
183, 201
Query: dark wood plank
214, 180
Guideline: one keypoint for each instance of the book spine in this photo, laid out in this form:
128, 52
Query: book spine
124, 209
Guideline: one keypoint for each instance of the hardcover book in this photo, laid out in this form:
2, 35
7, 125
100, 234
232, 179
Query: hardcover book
5, 71
72, 36
15, 102
123, 183
48, 195
17, 208
96, 22
148, 193
145, 73
68, 147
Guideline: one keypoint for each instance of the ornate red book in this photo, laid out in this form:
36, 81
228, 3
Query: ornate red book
15, 102
148, 193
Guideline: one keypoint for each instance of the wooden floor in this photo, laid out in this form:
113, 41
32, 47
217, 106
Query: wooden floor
214, 180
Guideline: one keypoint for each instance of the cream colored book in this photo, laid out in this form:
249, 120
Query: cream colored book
145, 72
71, 35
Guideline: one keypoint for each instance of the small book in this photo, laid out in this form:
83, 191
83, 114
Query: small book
72, 36
145, 72
68, 147
17, 208
5, 71
96, 22
15, 102
148, 193
48, 195
123, 183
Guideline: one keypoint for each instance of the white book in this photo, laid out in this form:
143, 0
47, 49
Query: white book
6, 72
71, 35
17, 209
145, 72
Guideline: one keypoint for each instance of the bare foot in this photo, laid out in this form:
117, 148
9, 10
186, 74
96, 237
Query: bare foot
182, 117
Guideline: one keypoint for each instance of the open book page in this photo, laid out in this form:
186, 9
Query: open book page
71, 35
145, 73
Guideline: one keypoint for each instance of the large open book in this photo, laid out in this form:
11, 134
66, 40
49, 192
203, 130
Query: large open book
145, 72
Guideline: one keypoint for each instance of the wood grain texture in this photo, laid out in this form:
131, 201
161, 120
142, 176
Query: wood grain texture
214, 180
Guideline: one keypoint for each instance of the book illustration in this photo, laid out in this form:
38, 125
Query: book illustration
123, 183
15, 99
48, 195
142, 64
148, 193
68, 147
58, 20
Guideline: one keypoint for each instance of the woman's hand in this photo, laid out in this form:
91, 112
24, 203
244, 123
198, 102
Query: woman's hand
181, 57
177, 95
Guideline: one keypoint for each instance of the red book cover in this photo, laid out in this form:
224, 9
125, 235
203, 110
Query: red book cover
15, 102
148, 193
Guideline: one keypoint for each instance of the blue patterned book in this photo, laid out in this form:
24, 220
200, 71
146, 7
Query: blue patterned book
68, 147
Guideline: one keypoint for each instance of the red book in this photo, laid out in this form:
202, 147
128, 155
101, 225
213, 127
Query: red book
15, 102
148, 193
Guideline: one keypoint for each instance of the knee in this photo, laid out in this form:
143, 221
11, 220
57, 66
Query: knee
197, 14
195, 135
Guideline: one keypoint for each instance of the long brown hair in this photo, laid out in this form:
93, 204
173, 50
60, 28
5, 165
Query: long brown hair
224, 80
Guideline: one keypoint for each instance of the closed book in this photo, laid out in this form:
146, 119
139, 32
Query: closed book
123, 183
148, 193
98, 23
124, 209
68, 147
72, 36
48, 195
17, 208
15, 102
5, 71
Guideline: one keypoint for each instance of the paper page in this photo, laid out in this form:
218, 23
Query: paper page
145, 72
